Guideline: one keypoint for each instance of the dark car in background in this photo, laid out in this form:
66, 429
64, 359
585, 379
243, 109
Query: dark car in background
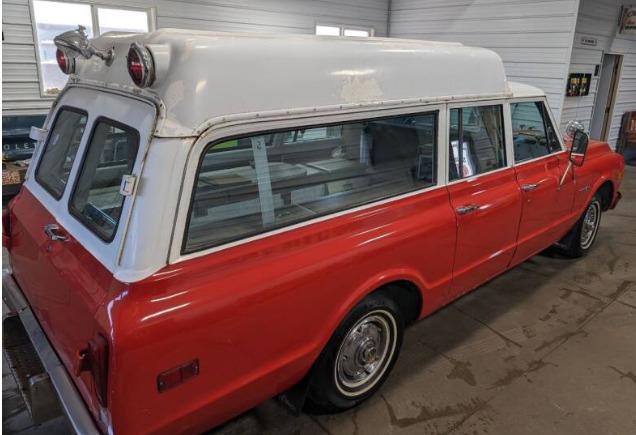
17, 149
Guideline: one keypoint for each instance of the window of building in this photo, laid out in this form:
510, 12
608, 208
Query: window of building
111, 154
257, 183
480, 132
343, 31
52, 18
532, 132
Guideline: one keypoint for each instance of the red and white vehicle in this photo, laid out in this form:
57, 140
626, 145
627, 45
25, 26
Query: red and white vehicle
211, 220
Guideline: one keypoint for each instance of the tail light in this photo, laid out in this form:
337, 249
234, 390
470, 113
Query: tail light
94, 359
141, 66
6, 228
66, 64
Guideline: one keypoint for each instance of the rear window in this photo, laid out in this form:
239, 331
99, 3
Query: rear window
60, 150
111, 154
252, 184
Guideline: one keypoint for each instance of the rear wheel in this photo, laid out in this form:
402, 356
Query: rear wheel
581, 238
359, 356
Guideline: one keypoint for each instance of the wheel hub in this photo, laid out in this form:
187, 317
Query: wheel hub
364, 353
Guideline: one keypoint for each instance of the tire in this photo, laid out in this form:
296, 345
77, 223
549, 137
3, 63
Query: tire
359, 356
581, 238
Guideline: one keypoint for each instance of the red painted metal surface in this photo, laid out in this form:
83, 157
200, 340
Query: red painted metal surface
256, 316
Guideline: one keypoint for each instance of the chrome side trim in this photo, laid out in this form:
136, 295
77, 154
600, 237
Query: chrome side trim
72, 403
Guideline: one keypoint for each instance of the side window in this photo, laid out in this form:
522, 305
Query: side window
476, 141
533, 134
60, 150
268, 181
110, 155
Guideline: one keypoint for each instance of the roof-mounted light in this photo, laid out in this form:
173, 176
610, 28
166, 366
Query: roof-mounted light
141, 65
66, 64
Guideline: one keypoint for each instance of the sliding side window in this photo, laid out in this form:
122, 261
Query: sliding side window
249, 185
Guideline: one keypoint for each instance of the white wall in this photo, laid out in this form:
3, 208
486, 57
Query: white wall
533, 37
598, 19
21, 92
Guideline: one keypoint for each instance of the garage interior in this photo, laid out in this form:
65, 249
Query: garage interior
550, 346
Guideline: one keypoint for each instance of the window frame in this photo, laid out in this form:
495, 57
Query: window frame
507, 130
255, 127
152, 26
344, 27
41, 153
548, 110
78, 216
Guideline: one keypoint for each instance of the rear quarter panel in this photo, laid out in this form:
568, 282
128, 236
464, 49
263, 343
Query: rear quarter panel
257, 315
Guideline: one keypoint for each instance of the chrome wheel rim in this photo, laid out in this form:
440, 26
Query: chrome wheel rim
365, 353
591, 221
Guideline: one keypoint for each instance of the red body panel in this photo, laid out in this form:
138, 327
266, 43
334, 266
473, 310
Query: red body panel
257, 315
545, 206
64, 285
486, 237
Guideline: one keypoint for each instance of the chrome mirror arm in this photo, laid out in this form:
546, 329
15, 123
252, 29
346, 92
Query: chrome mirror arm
75, 42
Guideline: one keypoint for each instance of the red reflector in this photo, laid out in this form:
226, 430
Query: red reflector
178, 375
94, 359
66, 64
140, 65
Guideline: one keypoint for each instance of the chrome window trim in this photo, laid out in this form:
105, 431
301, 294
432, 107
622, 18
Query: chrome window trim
216, 133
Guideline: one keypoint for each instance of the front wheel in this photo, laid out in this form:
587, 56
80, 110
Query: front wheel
359, 356
581, 238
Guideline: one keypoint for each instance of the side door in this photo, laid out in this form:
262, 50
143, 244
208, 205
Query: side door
483, 192
540, 163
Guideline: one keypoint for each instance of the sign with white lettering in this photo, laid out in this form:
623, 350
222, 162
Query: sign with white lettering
586, 40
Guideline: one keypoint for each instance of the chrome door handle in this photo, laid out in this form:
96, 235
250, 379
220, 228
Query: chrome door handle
465, 209
529, 187
51, 230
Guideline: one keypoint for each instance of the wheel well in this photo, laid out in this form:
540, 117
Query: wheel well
408, 298
606, 191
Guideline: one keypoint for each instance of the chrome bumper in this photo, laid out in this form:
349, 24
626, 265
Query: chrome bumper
78, 415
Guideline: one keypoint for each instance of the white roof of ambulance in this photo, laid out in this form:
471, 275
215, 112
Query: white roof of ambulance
212, 75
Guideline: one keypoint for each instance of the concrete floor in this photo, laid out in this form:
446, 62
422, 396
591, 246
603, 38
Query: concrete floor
549, 348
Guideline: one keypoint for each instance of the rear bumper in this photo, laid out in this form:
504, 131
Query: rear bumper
72, 404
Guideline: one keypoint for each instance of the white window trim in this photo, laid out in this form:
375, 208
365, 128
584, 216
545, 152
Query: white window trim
152, 26
251, 127
342, 28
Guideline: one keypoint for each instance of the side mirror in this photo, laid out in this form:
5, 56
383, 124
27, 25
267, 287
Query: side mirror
580, 139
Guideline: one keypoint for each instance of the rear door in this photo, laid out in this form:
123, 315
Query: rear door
484, 193
539, 166
69, 221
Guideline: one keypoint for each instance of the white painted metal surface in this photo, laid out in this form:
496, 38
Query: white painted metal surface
225, 75
298, 81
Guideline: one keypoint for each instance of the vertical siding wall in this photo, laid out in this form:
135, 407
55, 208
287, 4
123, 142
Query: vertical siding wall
533, 37
21, 92
599, 19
